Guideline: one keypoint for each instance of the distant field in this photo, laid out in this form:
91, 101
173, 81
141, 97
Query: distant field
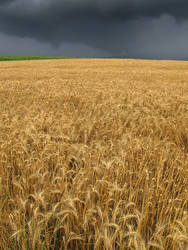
21, 58
94, 154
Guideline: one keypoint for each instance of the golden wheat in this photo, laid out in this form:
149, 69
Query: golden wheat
94, 154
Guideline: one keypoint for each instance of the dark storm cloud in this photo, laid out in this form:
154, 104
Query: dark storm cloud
3, 2
107, 24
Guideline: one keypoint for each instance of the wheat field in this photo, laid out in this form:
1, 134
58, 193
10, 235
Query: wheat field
94, 154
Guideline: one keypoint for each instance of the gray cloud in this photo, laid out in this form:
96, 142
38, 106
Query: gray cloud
3, 2
16, 46
111, 25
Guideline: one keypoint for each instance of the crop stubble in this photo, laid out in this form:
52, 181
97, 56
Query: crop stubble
94, 154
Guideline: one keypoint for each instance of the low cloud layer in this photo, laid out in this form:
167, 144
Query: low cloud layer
143, 28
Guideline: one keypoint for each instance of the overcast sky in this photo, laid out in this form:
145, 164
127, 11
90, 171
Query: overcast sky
95, 28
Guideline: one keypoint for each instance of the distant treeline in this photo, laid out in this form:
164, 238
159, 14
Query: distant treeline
16, 58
